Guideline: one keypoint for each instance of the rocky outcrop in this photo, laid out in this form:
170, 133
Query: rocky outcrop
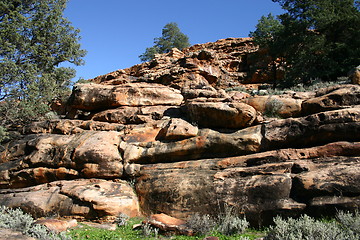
225, 63
165, 137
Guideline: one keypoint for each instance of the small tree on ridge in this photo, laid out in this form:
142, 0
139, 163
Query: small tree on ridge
171, 37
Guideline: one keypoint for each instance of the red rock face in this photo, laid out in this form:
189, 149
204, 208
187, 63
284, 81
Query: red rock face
187, 146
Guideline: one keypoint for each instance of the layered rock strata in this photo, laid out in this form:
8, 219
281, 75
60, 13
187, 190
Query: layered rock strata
165, 137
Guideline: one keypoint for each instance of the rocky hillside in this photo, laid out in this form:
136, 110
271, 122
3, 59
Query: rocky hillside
172, 136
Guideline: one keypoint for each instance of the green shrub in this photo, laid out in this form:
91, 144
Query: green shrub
349, 221
229, 223
149, 231
201, 224
4, 135
272, 107
307, 228
17, 220
122, 219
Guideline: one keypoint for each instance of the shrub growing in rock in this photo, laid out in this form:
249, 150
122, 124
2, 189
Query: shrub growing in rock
272, 108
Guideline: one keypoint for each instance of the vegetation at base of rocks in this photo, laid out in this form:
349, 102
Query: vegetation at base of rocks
17, 220
122, 219
35, 38
127, 232
312, 39
347, 227
227, 223
171, 37
201, 224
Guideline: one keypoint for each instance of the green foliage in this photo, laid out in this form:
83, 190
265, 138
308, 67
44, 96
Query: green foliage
316, 39
171, 37
229, 223
17, 220
307, 228
122, 232
267, 31
149, 231
122, 219
201, 224
4, 135
34, 38
146, 232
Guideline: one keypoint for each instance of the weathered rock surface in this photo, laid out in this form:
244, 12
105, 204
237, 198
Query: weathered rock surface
166, 223
259, 185
60, 157
203, 65
333, 98
188, 146
87, 198
283, 107
98, 96
177, 129
220, 114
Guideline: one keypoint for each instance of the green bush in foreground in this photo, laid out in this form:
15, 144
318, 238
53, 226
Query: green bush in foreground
347, 227
227, 223
17, 220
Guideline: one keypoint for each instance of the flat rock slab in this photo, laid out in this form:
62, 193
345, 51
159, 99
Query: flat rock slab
93, 96
87, 198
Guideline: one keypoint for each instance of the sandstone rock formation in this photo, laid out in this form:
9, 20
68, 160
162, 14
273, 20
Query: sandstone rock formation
165, 137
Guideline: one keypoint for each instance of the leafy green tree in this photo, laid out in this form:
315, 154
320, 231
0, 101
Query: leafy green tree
267, 35
35, 39
318, 39
171, 37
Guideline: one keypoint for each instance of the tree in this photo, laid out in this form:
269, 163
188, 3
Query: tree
35, 39
318, 39
266, 35
171, 37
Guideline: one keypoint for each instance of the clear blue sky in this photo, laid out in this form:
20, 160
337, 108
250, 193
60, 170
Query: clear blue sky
116, 32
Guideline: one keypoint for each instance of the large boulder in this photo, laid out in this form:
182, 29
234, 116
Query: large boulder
177, 129
220, 114
93, 96
313, 130
332, 98
87, 198
283, 107
137, 115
